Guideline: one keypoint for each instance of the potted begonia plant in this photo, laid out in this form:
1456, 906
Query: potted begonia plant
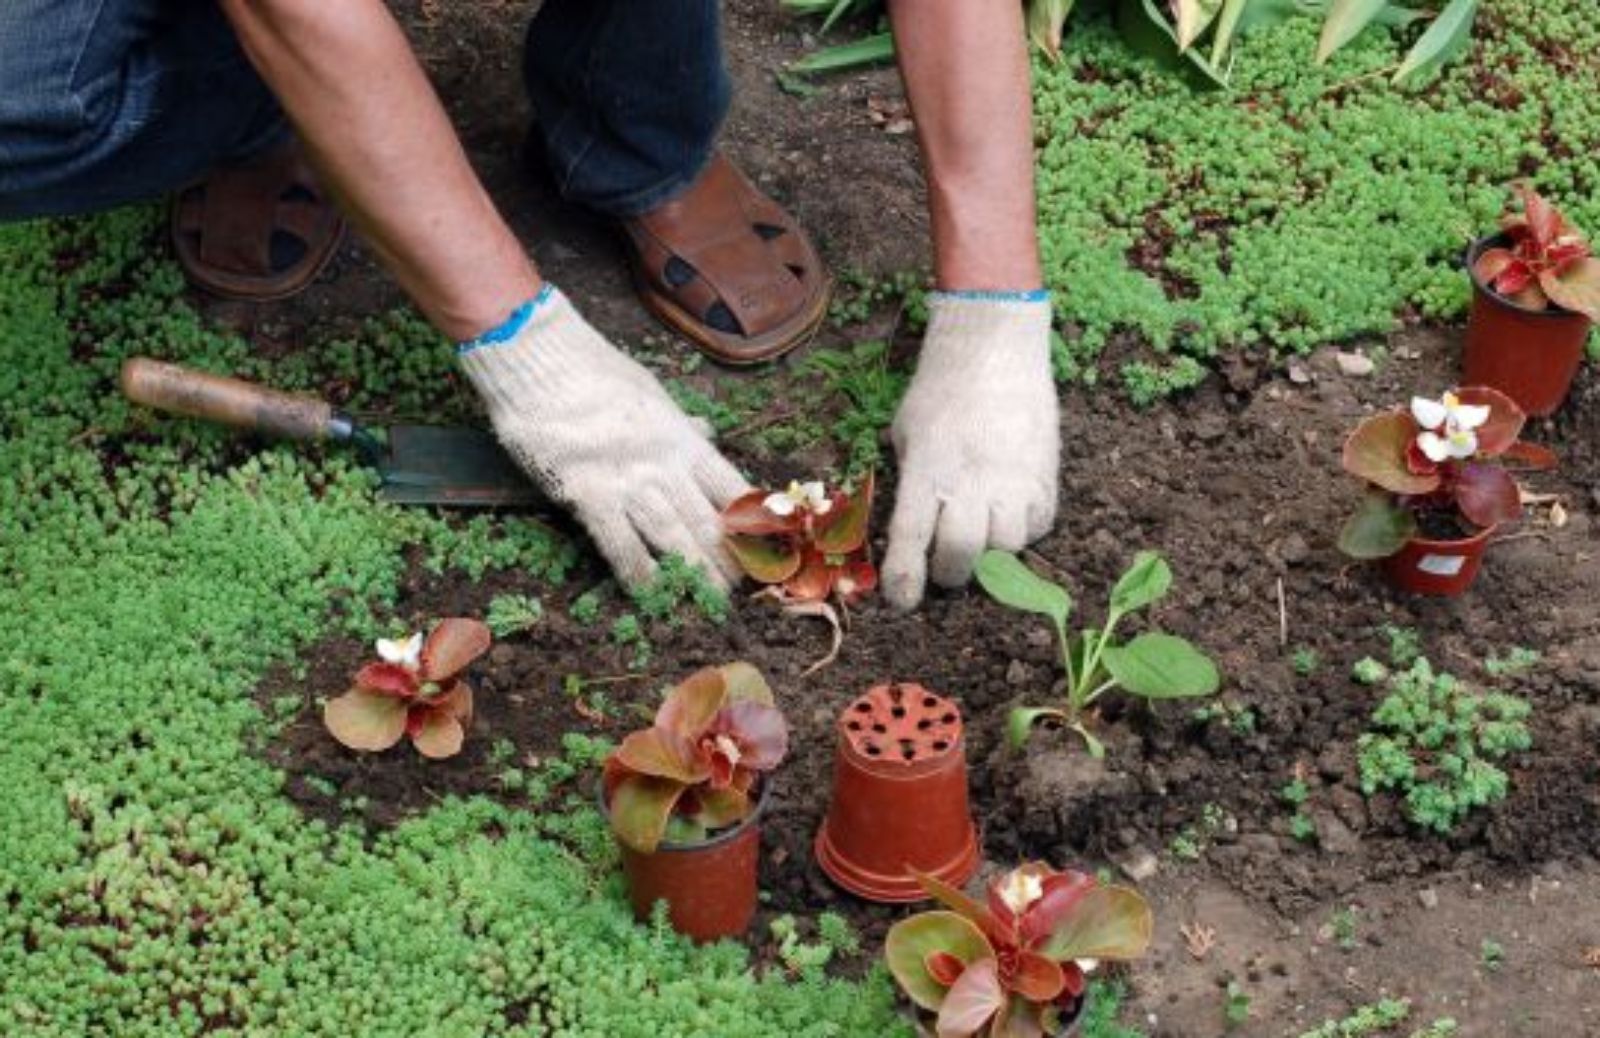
684, 797
807, 546
1015, 963
1536, 294
415, 688
1435, 489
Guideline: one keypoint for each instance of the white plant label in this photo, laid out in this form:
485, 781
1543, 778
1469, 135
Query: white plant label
1442, 565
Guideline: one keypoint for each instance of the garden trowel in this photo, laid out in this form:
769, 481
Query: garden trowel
419, 464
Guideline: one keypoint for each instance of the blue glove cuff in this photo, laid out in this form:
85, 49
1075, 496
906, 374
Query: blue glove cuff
507, 330
1034, 295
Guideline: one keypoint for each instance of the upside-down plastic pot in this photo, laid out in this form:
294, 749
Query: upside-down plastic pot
1531, 356
1429, 567
709, 887
899, 802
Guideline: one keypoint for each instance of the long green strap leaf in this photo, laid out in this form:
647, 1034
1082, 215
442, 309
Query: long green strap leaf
869, 50
1346, 19
1446, 39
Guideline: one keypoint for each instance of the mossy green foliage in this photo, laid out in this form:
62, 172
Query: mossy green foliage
1303, 204
155, 881
1438, 743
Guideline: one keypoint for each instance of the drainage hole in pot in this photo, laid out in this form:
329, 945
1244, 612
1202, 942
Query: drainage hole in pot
941, 746
879, 728
898, 712
872, 750
854, 726
949, 718
908, 751
863, 708
924, 724
928, 703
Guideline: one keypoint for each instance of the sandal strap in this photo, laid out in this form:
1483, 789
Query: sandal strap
712, 229
235, 217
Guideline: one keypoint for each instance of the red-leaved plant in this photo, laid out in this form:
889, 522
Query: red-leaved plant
1549, 261
807, 543
808, 546
1011, 966
1437, 456
415, 689
694, 770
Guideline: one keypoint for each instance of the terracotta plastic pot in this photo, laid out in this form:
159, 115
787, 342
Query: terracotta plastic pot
899, 796
709, 888
1531, 356
1427, 567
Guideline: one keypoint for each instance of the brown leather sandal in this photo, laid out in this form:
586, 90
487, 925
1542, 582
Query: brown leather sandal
727, 267
258, 231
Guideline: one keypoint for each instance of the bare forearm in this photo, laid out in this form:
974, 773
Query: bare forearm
345, 74
966, 72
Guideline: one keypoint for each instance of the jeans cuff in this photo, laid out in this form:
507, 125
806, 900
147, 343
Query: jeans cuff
643, 200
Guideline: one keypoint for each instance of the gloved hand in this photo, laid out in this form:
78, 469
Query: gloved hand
978, 439
600, 436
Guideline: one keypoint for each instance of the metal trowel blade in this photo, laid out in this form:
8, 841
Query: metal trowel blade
460, 467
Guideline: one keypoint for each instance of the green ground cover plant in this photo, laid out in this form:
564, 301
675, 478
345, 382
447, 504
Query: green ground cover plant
1439, 745
155, 881
1304, 203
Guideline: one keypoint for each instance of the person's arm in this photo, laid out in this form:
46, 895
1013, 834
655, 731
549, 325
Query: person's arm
978, 436
965, 67
377, 134
593, 428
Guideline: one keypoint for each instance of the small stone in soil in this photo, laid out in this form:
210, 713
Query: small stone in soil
1137, 863
1428, 897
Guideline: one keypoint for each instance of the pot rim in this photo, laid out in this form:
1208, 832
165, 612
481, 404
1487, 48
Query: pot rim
764, 790
1459, 542
1554, 311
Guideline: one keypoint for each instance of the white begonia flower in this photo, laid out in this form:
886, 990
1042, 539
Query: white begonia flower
1021, 889
1088, 965
406, 652
1447, 427
813, 497
729, 748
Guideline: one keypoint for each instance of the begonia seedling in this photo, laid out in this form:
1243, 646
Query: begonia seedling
1436, 456
808, 543
1013, 964
415, 689
807, 546
1549, 262
694, 771
1151, 665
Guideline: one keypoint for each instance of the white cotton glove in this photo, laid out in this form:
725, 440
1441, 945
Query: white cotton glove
600, 436
978, 440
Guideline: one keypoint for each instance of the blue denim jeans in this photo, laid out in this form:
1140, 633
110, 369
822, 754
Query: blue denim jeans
105, 102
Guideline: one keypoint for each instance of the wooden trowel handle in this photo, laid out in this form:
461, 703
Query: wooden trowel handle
231, 401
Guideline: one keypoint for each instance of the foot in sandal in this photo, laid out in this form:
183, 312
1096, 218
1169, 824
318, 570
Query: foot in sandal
727, 267
260, 230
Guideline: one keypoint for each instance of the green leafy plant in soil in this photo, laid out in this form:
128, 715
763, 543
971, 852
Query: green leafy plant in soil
155, 881
1438, 744
1152, 666
1380, 1017
1304, 203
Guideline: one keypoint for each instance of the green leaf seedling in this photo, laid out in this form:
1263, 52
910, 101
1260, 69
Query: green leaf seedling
1151, 665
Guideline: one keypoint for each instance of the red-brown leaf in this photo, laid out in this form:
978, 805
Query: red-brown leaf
1487, 495
1532, 456
1377, 451
1505, 422
452, 646
387, 679
748, 516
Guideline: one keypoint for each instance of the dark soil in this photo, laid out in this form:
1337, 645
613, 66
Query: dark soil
1237, 484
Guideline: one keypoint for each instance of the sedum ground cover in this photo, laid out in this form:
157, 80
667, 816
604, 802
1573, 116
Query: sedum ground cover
154, 880
1301, 204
